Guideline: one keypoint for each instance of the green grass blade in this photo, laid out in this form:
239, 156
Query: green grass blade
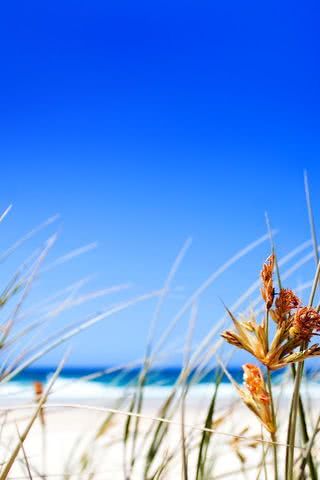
206, 436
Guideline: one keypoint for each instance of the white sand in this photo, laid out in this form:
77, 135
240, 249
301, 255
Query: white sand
72, 430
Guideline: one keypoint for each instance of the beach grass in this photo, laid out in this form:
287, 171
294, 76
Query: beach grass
268, 428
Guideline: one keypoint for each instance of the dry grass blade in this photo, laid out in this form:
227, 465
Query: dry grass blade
295, 398
26, 461
311, 219
168, 409
304, 429
67, 304
27, 288
188, 343
166, 288
45, 304
5, 472
74, 331
206, 436
206, 284
308, 457
167, 443
307, 454
71, 255
253, 287
5, 213
159, 433
177, 423
137, 400
26, 237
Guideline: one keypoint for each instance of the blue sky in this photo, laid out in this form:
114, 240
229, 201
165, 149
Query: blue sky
144, 123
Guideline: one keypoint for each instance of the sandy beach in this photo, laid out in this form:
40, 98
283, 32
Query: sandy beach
68, 447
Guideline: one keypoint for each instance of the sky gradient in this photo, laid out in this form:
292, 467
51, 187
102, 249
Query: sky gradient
145, 123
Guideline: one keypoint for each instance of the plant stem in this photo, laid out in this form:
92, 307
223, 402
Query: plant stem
264, 456
295, 398
293, 423
305, 435
299, 406
183, 438
302, 415
273, 435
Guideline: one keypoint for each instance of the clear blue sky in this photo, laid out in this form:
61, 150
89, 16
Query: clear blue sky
143, 123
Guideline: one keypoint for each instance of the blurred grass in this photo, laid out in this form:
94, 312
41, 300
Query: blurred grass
179, 439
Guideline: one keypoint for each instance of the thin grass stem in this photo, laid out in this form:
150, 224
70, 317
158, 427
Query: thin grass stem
302, 415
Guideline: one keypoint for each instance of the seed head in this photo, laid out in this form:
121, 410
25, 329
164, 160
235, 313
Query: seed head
254, 382
285, 302
267, 289
231, 338
305, 323
38, 389
256, 397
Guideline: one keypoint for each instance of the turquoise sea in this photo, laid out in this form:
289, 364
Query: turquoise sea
95, 384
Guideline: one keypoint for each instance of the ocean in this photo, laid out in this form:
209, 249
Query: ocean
85, 384
81, 383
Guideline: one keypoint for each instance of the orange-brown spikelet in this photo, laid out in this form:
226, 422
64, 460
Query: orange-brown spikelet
305, 323
295, 326
254, 382
294, 331
247, 335
256, 397
38, 391
267, 289
286, 301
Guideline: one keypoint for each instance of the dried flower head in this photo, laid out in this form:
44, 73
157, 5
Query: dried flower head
256, 397
305, 323
267, 289
254, 382
293, 331
286, 301
248, 335
295, 326
38, 391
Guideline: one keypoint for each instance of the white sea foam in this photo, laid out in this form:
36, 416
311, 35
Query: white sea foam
74, 389
79, 390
